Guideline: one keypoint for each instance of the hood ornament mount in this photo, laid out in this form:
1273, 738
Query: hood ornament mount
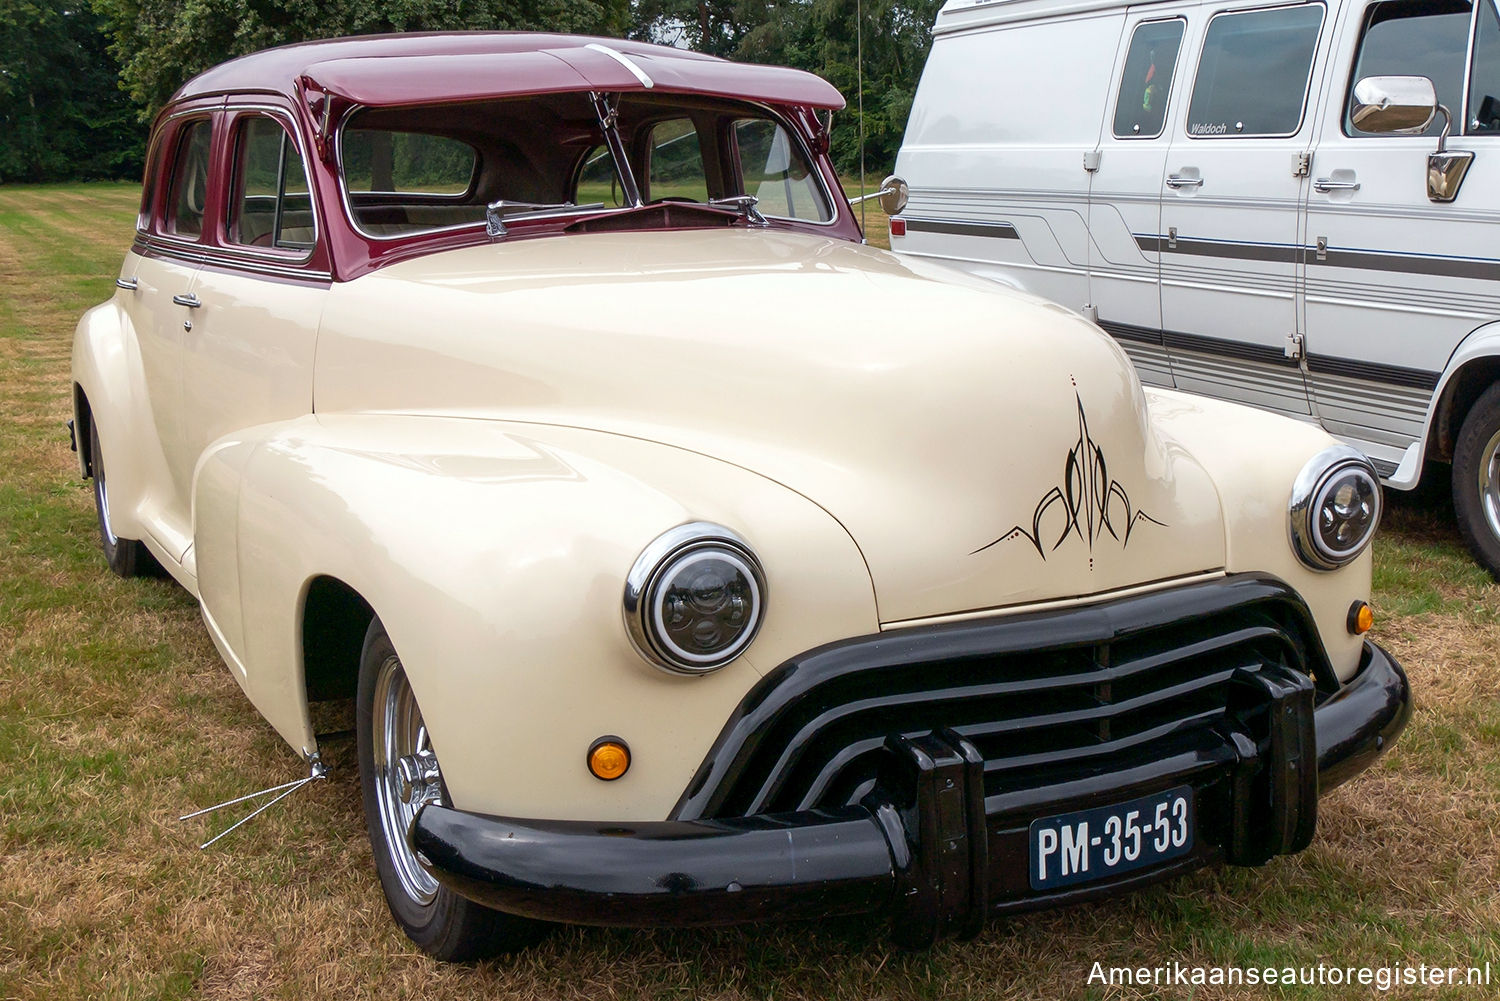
1091, 502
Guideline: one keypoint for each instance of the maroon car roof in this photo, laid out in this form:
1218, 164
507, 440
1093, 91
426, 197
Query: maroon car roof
448, 67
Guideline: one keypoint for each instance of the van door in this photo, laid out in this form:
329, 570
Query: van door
1395, 280
995, 150
1125, 198
1231, 194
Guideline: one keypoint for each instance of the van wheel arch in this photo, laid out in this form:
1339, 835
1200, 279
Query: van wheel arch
1459, 396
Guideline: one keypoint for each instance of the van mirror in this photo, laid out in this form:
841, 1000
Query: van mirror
893, 195
1404, 105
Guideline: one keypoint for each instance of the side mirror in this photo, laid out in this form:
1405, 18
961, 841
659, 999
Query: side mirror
1403, 105
893, 195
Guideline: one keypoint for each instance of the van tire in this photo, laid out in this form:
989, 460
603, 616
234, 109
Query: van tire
1476, 480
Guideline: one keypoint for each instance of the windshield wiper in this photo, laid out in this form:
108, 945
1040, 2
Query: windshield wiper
744, 205
497, 212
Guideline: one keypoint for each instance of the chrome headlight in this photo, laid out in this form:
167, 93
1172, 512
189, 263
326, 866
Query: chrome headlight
694, 599
1335, 508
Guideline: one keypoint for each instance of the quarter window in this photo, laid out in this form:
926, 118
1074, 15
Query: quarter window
189, 194
777, 174
599, 181
677, 162
1414, 38
269, 203
1146, 83
1484, 90
1252, 78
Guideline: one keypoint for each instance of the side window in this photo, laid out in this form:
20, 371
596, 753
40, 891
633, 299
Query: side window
269, 203
1146, 83
1253, 75
598, 182
189, 191
1414, 38
407, 163
1484, 90
777, 174
676, 165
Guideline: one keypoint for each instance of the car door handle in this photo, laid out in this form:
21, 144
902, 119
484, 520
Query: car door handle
128, 284
1327, 184
187, 299
1179, 181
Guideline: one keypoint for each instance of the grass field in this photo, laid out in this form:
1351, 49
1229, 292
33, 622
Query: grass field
116, 716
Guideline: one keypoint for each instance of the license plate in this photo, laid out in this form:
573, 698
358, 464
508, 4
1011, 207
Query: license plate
1095, 844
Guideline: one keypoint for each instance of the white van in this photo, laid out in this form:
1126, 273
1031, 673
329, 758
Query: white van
1260, 202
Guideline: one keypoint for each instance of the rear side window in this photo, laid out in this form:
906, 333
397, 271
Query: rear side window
1145, 85
1484, 91
189, 192
1252, 78
1414, 38
269, 204
677, 162
777, 174
406, 163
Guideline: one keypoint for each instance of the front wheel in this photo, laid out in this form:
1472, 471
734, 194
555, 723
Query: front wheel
1476, 480
399, 773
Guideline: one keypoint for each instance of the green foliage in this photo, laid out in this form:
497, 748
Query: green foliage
820, 36
163, 43
61, 113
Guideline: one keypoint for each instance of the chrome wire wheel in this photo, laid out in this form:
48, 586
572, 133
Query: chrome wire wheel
1489, 483
399, 735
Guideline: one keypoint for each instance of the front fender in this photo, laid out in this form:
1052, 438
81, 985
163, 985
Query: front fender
495, 554
1253, 458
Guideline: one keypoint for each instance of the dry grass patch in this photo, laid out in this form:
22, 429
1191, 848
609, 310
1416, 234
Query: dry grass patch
116, 716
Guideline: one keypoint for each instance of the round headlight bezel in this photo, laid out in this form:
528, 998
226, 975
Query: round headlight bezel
1311, 492
659, 563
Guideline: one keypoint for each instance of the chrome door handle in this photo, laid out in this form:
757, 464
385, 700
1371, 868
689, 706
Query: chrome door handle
187, 299
1178, 181
1327, 184
128, 284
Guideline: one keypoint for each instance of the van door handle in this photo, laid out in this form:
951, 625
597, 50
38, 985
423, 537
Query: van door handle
1327, 184
1179, 181
187, 299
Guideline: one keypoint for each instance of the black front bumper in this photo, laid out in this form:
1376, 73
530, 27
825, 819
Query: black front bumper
929, 844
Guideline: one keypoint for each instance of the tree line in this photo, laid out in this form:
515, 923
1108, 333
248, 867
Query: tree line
80, 80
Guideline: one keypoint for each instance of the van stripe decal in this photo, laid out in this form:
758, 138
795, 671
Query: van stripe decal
1480, 268
996, 230
1393, 375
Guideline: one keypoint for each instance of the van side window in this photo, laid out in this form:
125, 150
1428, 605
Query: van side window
189, 193
269, 205
1484, 91
1252, 79
1413, 38
1146, 83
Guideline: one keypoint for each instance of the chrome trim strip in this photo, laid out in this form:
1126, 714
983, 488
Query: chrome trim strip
994, 230
624, 61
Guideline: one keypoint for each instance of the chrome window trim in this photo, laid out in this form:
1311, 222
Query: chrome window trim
1306, 87
289, 125
207, 114
203, 255
1171, 84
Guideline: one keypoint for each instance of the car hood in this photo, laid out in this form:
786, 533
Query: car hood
982, 447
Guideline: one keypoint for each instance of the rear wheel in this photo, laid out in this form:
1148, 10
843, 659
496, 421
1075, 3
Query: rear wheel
126, 557
399, 774
1476, 480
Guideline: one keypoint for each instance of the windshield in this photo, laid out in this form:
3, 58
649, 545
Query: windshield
548, 159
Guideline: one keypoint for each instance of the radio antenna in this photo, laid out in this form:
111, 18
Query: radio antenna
859, 74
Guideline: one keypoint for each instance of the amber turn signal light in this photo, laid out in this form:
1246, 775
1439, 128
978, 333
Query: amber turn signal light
1361, 618
609, 758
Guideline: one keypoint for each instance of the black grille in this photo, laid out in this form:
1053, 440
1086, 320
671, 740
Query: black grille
1046, 698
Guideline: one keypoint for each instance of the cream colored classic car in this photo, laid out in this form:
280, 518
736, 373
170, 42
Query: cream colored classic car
689, 562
